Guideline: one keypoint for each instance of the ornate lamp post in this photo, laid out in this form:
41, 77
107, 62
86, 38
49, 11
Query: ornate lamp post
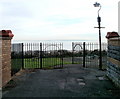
99, 27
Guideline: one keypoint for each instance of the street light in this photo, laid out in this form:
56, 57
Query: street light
99, 27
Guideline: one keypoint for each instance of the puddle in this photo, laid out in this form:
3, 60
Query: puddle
79, 80
81, 83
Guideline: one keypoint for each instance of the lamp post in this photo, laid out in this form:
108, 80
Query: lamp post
99, 27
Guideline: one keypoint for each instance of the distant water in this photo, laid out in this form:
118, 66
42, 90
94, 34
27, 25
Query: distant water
67, 44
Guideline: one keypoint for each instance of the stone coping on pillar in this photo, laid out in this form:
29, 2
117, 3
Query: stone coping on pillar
6, 33
112, 35
6, 38
114, 41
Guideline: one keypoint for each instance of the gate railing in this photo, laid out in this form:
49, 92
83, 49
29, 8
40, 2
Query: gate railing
87, 54
43, 55
36, 55
52, 55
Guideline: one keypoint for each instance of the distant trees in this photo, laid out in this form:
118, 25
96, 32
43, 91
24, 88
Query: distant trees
56, 53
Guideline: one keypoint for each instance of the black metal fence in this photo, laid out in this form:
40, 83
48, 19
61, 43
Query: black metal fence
17, 61
87, 54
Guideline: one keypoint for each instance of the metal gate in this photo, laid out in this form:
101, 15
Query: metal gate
87, 54
77, 49
43, 55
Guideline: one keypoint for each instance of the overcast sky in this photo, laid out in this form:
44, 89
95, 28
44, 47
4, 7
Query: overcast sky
57, 19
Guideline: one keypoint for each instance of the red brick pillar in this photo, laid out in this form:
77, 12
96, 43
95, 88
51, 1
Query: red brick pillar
5, 56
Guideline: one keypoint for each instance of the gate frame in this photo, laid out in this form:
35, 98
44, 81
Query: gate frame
73, 49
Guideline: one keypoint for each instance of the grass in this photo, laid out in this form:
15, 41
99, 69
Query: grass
46, 62
35, 63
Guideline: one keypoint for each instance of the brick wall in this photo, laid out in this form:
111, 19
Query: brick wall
113, 70
5, 57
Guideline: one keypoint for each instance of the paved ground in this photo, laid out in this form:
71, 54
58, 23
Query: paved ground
72, 81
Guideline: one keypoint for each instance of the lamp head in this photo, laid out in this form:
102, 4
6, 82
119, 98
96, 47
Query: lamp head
96, 4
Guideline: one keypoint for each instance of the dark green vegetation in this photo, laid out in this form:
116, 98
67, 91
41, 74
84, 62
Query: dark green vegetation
35, 62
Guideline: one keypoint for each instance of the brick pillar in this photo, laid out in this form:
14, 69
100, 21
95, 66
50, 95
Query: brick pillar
113, 63
5, 57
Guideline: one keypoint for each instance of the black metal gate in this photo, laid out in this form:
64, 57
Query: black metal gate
43, 55
87, 54
17, 60
77, 49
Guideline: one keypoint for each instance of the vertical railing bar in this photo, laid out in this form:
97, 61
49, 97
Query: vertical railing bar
59, 55
41, 60
29, 54
90, 54
38, 62
44, 50
52, 48
47, 54
54, 63
54, 56
56, 48
84, 54
62, 55
52, 51
25, 54
87, 46
93, 49
38, 55
72, 52
55, 59
35, 58
41, 56
87, 54
59, 47
22, 56
33, 50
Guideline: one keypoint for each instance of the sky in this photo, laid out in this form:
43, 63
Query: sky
58, 19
